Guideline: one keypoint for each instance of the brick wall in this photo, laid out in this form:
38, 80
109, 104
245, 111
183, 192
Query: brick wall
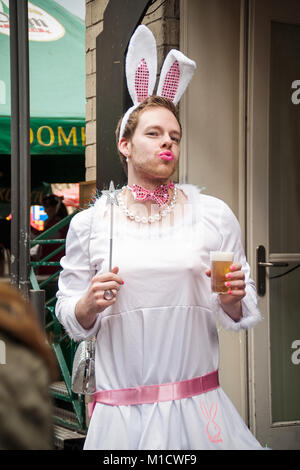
161, 18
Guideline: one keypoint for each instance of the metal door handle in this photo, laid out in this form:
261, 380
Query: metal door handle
261, 265
271, 264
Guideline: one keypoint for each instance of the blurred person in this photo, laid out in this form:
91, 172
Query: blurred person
27, 367
54, 208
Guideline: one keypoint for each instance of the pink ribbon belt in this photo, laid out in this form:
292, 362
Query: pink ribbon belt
155, 393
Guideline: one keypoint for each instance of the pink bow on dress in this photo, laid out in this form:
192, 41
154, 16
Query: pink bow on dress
159, 195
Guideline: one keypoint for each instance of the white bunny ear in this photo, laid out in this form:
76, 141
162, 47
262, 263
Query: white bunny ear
176, 73
141, 64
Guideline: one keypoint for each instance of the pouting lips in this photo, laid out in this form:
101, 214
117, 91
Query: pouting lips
166, 155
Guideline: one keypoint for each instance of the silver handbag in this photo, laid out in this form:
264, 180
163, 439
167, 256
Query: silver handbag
83, 371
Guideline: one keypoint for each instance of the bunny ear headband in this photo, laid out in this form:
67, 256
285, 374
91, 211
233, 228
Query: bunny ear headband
141, 66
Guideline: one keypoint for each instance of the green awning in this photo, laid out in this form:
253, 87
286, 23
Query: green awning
48, 136
57, 83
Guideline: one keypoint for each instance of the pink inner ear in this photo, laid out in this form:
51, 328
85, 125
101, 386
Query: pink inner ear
141, 81
171, 82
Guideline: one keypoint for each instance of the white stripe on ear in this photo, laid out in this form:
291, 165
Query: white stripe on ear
141, 64
176, 73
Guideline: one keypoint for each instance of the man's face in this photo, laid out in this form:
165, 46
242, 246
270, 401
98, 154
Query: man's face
153, 151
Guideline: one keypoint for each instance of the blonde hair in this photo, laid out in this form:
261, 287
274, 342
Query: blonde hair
150, 102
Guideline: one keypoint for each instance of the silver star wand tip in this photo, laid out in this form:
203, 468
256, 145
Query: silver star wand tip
111, 194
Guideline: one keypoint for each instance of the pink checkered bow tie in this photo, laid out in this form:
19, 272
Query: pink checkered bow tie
159, 195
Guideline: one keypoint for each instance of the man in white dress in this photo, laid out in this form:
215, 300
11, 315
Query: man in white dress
157, 353
158, 334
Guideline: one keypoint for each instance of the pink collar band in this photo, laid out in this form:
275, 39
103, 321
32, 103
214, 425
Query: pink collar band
156, 393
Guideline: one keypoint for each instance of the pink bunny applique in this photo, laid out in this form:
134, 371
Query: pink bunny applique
213, 430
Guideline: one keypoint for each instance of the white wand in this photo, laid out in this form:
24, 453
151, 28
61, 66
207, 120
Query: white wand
112, 199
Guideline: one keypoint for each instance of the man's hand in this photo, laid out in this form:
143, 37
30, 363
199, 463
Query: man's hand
231, 302
93, 302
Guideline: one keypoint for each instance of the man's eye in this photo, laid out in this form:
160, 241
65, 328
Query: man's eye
175, 139
152, 133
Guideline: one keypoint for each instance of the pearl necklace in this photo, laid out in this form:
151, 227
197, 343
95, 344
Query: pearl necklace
151, 218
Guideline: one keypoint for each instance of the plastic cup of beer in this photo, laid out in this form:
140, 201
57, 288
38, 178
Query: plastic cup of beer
220, 262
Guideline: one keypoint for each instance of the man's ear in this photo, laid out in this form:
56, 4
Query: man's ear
124, 147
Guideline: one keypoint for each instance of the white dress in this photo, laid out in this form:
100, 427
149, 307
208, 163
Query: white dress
162, 327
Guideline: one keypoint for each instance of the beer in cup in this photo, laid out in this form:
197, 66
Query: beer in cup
220, 263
